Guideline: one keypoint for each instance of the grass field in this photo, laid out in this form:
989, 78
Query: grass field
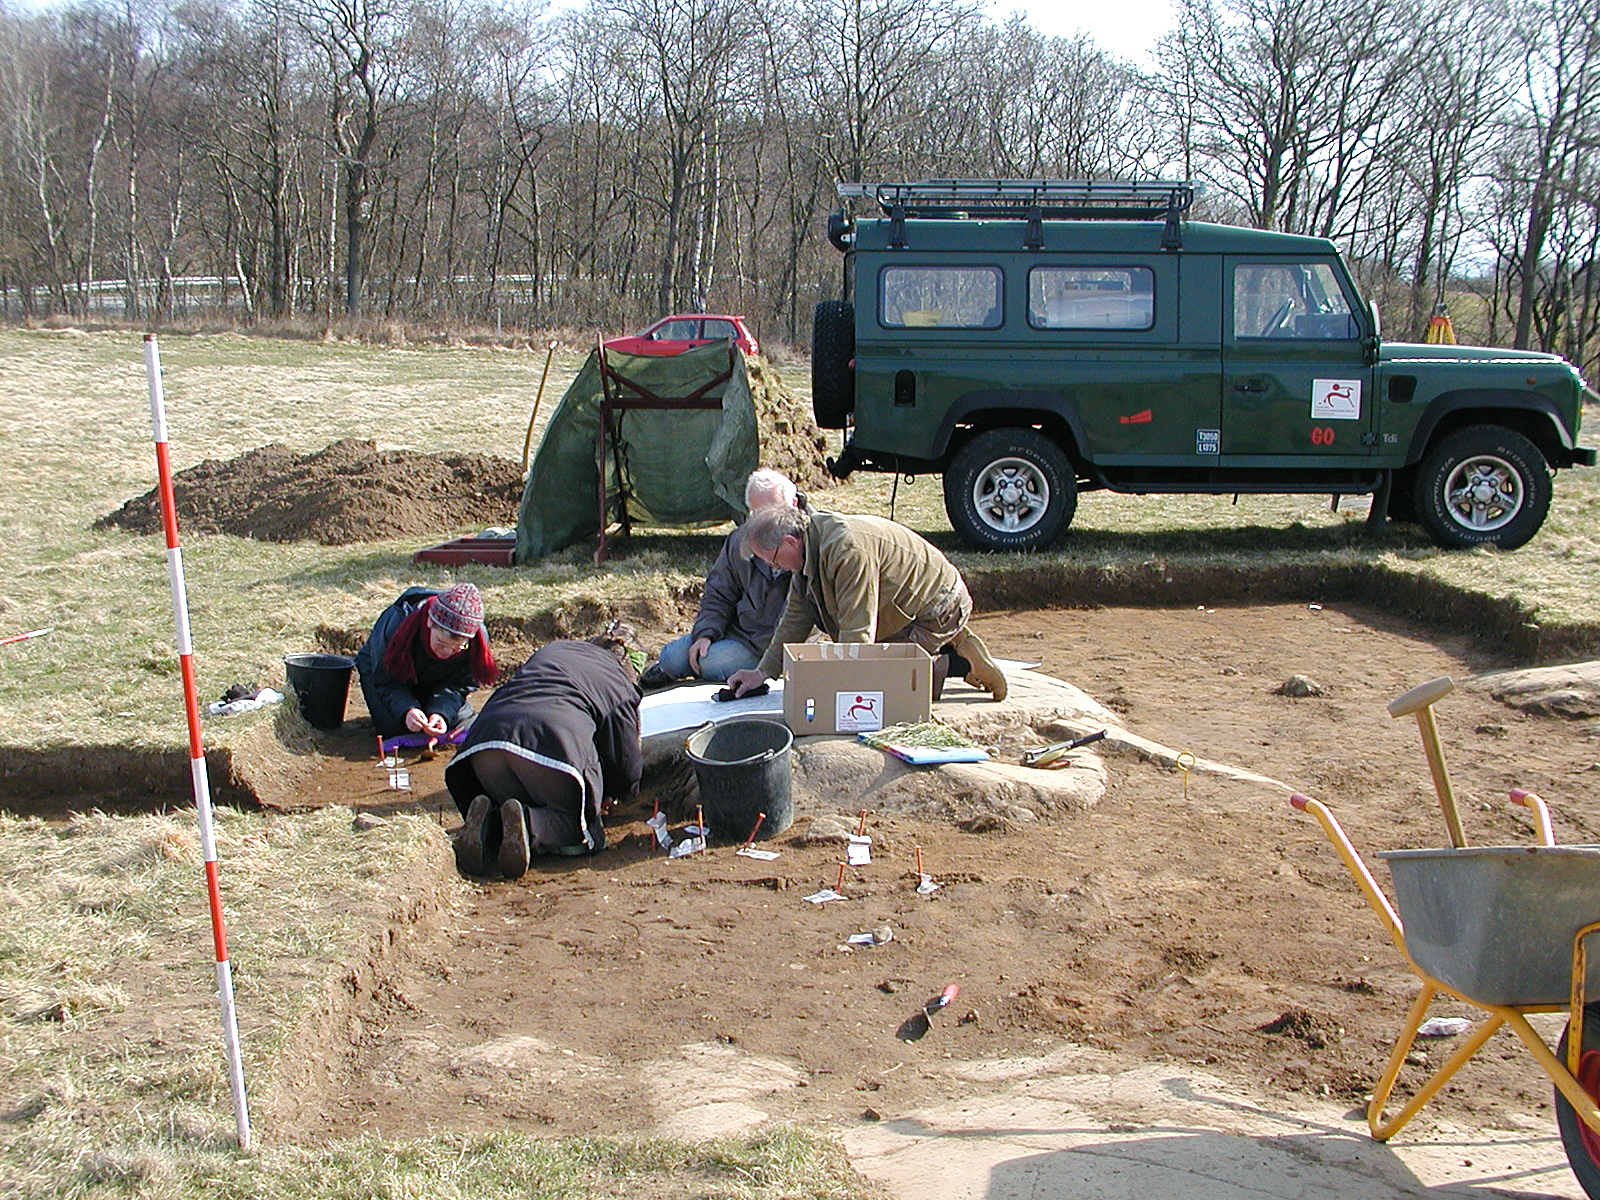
75, 414
98, 908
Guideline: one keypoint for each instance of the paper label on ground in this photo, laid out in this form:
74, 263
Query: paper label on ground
857, 712
658, 822
860, 852
752, 852
823, 896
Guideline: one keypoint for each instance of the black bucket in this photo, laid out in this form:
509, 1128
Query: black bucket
320, 682
743, 769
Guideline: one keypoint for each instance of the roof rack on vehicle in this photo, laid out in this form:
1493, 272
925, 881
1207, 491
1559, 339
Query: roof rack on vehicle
1033, 200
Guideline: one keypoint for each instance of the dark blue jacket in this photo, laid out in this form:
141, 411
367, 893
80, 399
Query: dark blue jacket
442, 684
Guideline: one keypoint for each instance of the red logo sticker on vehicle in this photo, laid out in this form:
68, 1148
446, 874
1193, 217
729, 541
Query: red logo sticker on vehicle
1321, 435
1138, 418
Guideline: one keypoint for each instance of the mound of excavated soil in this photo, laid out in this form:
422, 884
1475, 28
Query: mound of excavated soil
790, 439
353, 492
349, 492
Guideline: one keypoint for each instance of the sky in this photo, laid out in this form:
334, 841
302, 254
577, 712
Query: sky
1126, 28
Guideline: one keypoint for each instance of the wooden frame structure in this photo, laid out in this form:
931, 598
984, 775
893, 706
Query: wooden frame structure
619, 394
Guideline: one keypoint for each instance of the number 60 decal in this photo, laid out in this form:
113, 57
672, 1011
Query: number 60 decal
1321, 435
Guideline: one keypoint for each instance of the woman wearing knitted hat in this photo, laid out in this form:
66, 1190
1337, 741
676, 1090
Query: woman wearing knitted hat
424, 654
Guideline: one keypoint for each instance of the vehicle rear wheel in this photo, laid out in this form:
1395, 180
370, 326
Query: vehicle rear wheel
1010, 489
1581, 1143
833, 346
1482, 486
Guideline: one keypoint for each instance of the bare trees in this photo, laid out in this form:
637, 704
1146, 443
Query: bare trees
1547, 234
1285, 106
353, 39
596, 165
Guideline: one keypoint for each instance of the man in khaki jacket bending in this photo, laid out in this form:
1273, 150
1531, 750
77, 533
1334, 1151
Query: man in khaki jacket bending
863, 579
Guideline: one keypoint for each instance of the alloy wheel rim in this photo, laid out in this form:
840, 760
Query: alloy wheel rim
1011, 495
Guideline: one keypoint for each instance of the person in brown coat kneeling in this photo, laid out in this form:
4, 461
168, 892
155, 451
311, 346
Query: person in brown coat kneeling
865, 579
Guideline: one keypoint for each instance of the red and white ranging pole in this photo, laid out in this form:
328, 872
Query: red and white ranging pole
197, 758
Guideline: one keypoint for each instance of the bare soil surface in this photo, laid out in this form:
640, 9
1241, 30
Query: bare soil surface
1191, 918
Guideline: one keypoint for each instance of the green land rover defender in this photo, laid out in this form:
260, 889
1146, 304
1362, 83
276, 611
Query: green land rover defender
1031, 339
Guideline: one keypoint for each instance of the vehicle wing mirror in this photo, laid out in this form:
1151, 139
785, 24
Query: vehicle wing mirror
1375, 338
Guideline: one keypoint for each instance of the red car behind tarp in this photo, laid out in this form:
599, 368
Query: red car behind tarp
679, 332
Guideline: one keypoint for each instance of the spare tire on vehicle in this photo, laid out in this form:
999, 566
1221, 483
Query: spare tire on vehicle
833, 346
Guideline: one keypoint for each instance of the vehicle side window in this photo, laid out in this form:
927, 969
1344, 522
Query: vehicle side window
940, 297
676, 331
1290, 300
720, 329
1091, 297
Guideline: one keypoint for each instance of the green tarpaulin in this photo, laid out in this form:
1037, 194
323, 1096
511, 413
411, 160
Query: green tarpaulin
683, 468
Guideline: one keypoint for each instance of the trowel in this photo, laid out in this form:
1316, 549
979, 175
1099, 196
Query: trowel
918, 1024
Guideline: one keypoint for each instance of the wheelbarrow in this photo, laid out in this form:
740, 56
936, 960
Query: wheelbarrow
1506, 930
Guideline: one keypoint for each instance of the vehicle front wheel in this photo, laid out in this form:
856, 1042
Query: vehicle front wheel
1482, 486
1581, 1143
1010, 489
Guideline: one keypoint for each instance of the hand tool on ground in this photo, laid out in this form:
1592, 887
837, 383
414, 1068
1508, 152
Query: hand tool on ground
1043, 756
1420, 701
22, 637
918, 1023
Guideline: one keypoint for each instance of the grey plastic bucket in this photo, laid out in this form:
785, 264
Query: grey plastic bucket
321, 684
742, 766
1496, 922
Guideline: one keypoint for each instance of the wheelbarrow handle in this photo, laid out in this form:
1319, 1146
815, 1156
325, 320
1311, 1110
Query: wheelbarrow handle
1541, 814
1352, 860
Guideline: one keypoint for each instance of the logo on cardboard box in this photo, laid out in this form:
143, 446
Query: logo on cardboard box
858, 712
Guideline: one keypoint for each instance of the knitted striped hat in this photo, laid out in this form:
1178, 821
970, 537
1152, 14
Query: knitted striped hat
458, 611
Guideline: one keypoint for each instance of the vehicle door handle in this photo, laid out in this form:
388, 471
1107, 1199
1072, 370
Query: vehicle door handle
1254, 385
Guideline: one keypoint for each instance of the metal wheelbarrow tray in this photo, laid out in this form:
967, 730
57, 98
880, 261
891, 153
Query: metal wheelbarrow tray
1496, 923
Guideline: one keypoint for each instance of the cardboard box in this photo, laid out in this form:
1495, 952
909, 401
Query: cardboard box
857, 688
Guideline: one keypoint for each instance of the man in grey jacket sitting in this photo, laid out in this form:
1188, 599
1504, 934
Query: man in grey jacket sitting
740, 605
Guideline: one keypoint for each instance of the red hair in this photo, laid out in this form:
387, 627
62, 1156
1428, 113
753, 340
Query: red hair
399, 656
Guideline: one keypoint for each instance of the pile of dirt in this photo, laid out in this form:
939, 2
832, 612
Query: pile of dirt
353, 492
348, 492
790, 439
